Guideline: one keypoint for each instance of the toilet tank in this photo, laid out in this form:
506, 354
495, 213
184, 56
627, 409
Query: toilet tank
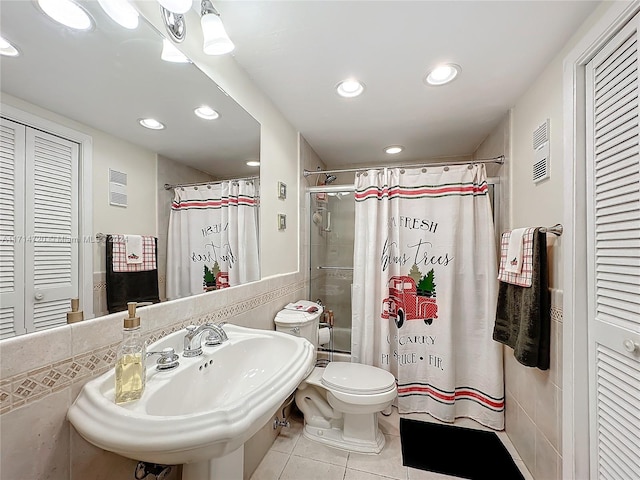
300, 323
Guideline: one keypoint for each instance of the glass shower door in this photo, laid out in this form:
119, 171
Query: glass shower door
331, 257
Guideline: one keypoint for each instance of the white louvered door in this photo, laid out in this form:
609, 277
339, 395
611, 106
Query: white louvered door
613, 173
42, 214
52, 254
12, 170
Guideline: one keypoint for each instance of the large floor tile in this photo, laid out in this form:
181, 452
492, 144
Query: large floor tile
299, 468
417, 474
271, 466
286, 441
360, 475
387, 463
306, 448
390, 424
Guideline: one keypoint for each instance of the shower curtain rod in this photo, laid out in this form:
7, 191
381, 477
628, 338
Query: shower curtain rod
499, 160
168, 186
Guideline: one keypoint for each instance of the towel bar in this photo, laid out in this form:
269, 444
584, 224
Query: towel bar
555, 230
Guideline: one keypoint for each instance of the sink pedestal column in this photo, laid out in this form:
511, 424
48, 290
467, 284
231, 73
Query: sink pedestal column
229, 467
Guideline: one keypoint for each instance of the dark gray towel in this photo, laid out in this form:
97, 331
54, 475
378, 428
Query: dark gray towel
124, 287
523, 316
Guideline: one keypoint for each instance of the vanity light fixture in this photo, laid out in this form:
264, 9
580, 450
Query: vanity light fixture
68, 13
253, 163
121, 12
442, 74
176, 6
7, 49
206, 112
175, 24
393, 149
171, 54
350, 88
216, 39
151, 123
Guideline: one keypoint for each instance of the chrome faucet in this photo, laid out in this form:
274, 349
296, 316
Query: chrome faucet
193, 338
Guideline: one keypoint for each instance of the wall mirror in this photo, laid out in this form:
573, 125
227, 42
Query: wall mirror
109, 77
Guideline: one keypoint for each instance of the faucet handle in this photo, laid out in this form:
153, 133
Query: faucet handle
168, 359
217, 335
191, 328
212, 340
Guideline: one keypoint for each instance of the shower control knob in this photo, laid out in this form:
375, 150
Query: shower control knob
630, 346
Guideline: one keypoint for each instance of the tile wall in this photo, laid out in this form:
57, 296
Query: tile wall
533, 411
42, 373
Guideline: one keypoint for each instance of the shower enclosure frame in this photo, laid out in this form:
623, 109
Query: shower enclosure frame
328, 189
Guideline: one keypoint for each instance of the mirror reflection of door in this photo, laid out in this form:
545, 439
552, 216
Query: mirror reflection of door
39, 178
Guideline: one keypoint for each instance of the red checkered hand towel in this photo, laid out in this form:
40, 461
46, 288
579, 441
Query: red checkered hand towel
522, 279
148, 259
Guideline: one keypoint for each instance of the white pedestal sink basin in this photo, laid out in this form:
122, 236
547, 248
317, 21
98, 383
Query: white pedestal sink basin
201, 412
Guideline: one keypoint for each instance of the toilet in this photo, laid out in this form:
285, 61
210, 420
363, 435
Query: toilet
340, 402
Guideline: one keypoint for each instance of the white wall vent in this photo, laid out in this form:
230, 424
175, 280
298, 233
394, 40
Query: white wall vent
541, 152
117, 188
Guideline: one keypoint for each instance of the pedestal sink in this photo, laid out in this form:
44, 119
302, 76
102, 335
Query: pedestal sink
200, 413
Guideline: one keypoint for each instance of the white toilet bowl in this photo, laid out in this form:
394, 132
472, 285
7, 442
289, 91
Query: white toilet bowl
340, 402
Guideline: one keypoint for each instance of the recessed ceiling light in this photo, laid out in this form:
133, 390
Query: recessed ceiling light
206, 112
350, 88
151, 123
442, 74
67, 12
7, 49
253, 163
393, 149
121, 12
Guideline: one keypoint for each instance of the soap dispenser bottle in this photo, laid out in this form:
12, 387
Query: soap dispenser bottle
130, 362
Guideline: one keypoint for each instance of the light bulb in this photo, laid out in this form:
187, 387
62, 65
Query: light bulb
121, 12
67, 12
216, 40
176, 6
350, 88
442, 74
151, 123
206, 113
7, 49
171, 54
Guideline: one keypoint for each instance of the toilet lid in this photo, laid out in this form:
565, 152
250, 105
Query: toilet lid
298, 317
357, 378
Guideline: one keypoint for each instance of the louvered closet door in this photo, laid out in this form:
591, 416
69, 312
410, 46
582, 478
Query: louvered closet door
613, 172
12, 241
51, 257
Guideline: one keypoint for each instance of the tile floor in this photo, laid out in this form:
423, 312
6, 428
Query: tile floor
293, 457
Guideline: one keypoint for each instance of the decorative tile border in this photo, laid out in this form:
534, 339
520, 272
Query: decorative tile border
36, 384
556, 314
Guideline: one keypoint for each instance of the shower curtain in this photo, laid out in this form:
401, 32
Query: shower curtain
425, 289
213, 238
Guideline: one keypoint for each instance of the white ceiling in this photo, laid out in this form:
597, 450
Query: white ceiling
297, 51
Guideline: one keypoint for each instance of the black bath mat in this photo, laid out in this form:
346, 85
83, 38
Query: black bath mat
457, 451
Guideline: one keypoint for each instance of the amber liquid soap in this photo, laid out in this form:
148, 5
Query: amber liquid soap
129, 378
130, 364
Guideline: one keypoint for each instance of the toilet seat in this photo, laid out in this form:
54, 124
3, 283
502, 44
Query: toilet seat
357, 379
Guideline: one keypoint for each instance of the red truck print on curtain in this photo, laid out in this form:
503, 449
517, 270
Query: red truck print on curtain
406, 302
